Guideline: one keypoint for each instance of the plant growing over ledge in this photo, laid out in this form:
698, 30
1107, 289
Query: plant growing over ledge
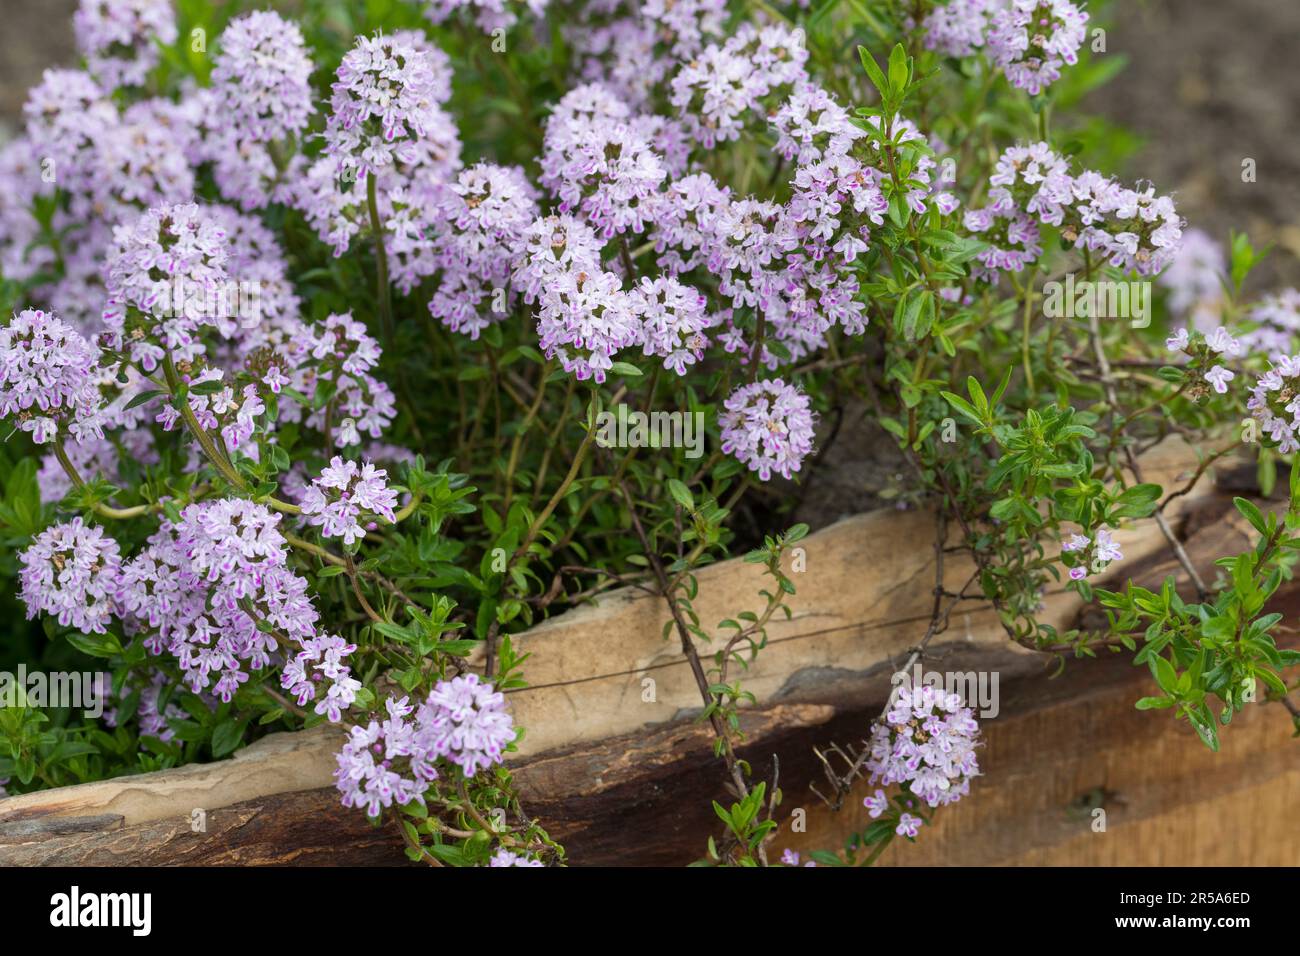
254, 292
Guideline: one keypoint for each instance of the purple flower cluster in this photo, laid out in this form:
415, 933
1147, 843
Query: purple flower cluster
1275, 403
463, 721
71, 571
342, 494
1092, 554
214, 590
229, 409
1195, 279
366, 774
466, 722
337, 355
768, 426
381, 105
1134, 230
585, 318
344, 354
151, 716
481, 222
600, 163
163, 275
1205, 351
720, 89
504, 857
1276, 318
1029, 40
490, 15
632, 49
119, 38
261, 78
926, 743
673, 319
48, 378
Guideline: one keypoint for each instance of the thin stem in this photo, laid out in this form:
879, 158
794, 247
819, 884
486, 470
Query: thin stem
100, 508
381, 259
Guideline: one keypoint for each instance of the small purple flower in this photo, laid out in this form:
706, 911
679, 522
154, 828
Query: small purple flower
768, 426
926, 741
465, 720
48, 378
71, 571
876, 804
120, 38
262, 78
344, 495
504, 857
908, 826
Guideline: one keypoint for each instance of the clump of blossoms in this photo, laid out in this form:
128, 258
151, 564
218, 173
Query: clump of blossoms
719, 90
481, 222
119, 38
1092, 554
48, 379
504, 857
381, 105
1195, 279
1275, 403
673, 319
1032, 186
600, 163
342, 494
926, 744
163, 276
226, 409
1276, 319
1030, 40
215, 591
71, 572
261, 78
768, 426
584, 319
1205, 351
490, 15
343, 355
463, 722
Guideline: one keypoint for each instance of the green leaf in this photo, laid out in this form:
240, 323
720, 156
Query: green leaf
873, 72
681, 494
227, 736
900, 70
626, 369
96, 645
1252, 514
963, 406
1155, 703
